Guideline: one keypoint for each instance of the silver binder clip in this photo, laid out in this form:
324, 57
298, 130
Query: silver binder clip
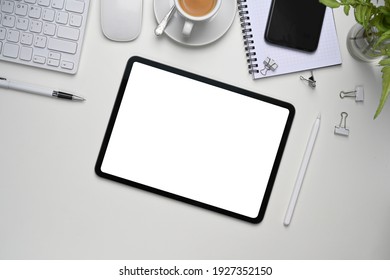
269, 64
310, 81
342, 128
358, 93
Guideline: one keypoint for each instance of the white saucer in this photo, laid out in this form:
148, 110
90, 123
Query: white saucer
201, 34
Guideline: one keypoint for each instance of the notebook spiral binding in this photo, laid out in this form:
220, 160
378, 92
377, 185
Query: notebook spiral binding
248, 37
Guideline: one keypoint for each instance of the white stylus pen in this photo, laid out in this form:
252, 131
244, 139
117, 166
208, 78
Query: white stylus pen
34, 89
302, 171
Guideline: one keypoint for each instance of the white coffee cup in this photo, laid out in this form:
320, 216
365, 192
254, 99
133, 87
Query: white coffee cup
191, 20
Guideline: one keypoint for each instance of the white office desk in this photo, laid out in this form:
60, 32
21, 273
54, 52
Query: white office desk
52, 205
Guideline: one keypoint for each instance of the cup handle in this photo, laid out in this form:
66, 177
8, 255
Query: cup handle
187, 28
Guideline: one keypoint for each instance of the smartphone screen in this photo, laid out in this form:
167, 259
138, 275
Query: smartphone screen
295, 24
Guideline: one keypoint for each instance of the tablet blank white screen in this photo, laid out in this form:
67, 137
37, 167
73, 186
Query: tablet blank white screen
195, 140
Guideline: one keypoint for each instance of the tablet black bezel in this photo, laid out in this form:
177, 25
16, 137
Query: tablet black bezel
231, 88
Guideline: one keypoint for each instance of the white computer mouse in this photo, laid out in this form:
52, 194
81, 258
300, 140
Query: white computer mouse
121, 20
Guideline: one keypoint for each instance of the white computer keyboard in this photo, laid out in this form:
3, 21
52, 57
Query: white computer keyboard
43, 33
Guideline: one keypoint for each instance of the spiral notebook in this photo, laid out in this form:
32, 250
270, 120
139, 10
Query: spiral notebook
266, 60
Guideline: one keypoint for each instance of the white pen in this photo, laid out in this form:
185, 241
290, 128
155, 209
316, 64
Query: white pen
34, 89
302, 171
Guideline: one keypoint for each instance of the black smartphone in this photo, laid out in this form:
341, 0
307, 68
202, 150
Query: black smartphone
295, 24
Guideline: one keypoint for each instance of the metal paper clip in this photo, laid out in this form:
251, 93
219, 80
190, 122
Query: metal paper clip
269, 64
311, 81
342, 128
358, 93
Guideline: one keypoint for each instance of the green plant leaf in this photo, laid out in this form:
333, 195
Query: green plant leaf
330, 3
359, 14
365, 12
386, 20
346, 9
384, 10
379, 23
368, 15
385, 36
385, 90
385, 62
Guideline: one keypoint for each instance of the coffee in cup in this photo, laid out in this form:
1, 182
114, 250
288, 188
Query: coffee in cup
196, 11
197, 8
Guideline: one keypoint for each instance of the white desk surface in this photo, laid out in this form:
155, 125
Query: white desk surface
53, 206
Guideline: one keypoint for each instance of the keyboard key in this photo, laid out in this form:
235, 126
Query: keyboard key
35, 12
54, 55
22, 23
10, 50
49, 29
30, 1
67, 65
40, 41
39, 59
8, 21
75, 20
62, 45
53, 62
58, 4
48, 14
2, 33
1, 44
13, 36
27, 39
45, 3
74, 6
7, 6
62, 17
36, 26
21, 9
68, 33
26, 53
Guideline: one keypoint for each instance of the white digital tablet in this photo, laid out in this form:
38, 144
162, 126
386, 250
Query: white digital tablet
194, 139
